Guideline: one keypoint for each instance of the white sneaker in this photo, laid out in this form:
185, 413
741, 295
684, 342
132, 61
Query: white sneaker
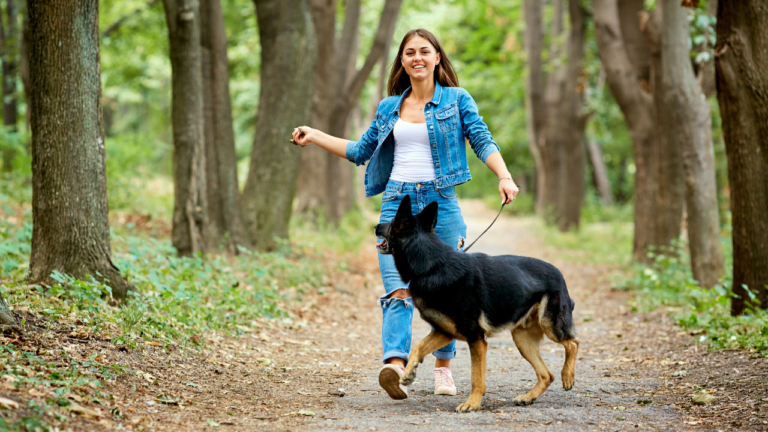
389, 379
444, 382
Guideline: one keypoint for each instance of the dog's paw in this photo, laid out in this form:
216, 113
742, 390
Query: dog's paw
409, 377
523, 400
568, 381
468, 406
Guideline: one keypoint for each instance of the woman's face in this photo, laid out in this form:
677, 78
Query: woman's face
419, 59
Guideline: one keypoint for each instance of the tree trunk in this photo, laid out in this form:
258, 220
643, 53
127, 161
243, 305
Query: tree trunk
572, 184
69, 186
670, 193
690, 128
225, 220
11, 44
741, 64
325, 181
600, 173
555, 120
7, 319
190, 212
636, 104
288, 50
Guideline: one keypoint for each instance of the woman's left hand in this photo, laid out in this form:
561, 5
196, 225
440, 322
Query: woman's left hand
508, 190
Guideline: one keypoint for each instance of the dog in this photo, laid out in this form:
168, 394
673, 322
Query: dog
470, 297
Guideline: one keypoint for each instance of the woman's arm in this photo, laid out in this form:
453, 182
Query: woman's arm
507, 187
304, 135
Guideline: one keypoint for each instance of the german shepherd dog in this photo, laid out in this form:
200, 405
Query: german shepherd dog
472, 296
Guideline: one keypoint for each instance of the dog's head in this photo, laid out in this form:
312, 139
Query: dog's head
405, 226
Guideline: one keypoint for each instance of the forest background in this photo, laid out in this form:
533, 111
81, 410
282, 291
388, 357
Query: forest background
604, 166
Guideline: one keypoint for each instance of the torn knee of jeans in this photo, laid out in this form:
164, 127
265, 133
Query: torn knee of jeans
387, 301
460, 246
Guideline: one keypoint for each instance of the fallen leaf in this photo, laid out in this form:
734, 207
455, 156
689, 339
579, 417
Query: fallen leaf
168, 400
264, 361
263, 336
152, 343
79, 409
702, 398
7, 403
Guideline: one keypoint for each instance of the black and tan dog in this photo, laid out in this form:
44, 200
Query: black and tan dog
472, 296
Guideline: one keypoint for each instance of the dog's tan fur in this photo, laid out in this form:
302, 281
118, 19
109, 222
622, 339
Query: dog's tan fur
527, 333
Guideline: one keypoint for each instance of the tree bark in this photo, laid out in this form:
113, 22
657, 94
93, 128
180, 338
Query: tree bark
225, 218
190, 212
670, 193
288, 56
572, 184
741, 63
600, 174
636, 103
10, 45
555, 119
69, 188
535, 107
690, 128
325, 181
7, 319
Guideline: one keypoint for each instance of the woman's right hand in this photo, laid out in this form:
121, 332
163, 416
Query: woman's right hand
302, 135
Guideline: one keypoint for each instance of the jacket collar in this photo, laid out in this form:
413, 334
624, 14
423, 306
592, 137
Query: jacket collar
435, 98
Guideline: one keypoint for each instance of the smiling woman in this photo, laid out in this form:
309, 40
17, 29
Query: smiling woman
416, 148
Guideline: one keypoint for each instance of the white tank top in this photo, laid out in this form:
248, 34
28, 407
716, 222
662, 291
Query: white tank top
413, 158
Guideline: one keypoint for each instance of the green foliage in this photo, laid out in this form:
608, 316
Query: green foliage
178, 297
668, 282
597, 242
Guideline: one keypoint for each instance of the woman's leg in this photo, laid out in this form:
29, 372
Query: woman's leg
452, 230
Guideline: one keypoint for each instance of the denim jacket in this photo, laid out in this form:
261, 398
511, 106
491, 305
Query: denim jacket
452, 117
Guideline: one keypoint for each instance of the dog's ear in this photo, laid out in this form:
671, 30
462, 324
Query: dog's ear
404, 217
428, 217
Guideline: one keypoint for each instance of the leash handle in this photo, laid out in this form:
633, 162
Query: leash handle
486, 230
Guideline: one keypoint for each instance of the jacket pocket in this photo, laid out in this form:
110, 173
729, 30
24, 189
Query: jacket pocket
447, 119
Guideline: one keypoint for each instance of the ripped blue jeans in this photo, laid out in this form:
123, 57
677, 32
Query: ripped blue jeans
398, 313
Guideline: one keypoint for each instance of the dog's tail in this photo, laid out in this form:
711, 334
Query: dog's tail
560, 310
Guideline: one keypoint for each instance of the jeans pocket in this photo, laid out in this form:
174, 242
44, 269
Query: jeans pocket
447, 193
389, 196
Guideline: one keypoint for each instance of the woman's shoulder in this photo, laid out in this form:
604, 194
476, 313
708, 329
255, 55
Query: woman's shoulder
452, 95
388, 103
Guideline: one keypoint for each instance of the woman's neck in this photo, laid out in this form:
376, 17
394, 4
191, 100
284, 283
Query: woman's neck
423, 90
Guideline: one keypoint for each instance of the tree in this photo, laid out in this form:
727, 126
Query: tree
689, 126
190, 207
325, 181
69, 189
741, 62
288, 57
633, 73
10, 45
225, 223
555, 118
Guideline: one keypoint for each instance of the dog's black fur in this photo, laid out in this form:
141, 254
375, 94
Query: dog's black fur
471, 296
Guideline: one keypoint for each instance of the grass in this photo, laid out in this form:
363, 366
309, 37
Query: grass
605, 236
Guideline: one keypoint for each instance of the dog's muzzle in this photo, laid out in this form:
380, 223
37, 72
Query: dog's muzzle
382, 246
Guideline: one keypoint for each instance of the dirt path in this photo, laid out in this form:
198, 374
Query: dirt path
605, 396
316, 369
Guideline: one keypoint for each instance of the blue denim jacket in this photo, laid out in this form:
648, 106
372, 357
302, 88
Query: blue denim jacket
452, 118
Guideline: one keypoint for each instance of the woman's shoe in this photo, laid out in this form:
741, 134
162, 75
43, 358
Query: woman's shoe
389, 379
444, 382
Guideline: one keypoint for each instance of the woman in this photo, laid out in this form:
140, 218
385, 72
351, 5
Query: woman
416, 147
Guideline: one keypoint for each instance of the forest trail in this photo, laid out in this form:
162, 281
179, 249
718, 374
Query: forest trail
617, 382
316, 369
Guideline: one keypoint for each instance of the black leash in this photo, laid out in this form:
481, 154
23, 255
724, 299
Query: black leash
486, 230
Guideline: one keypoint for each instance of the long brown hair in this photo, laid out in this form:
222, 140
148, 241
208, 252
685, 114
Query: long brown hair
399, 81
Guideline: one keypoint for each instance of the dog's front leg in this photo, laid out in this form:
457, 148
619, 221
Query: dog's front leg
477, 351
432, 342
